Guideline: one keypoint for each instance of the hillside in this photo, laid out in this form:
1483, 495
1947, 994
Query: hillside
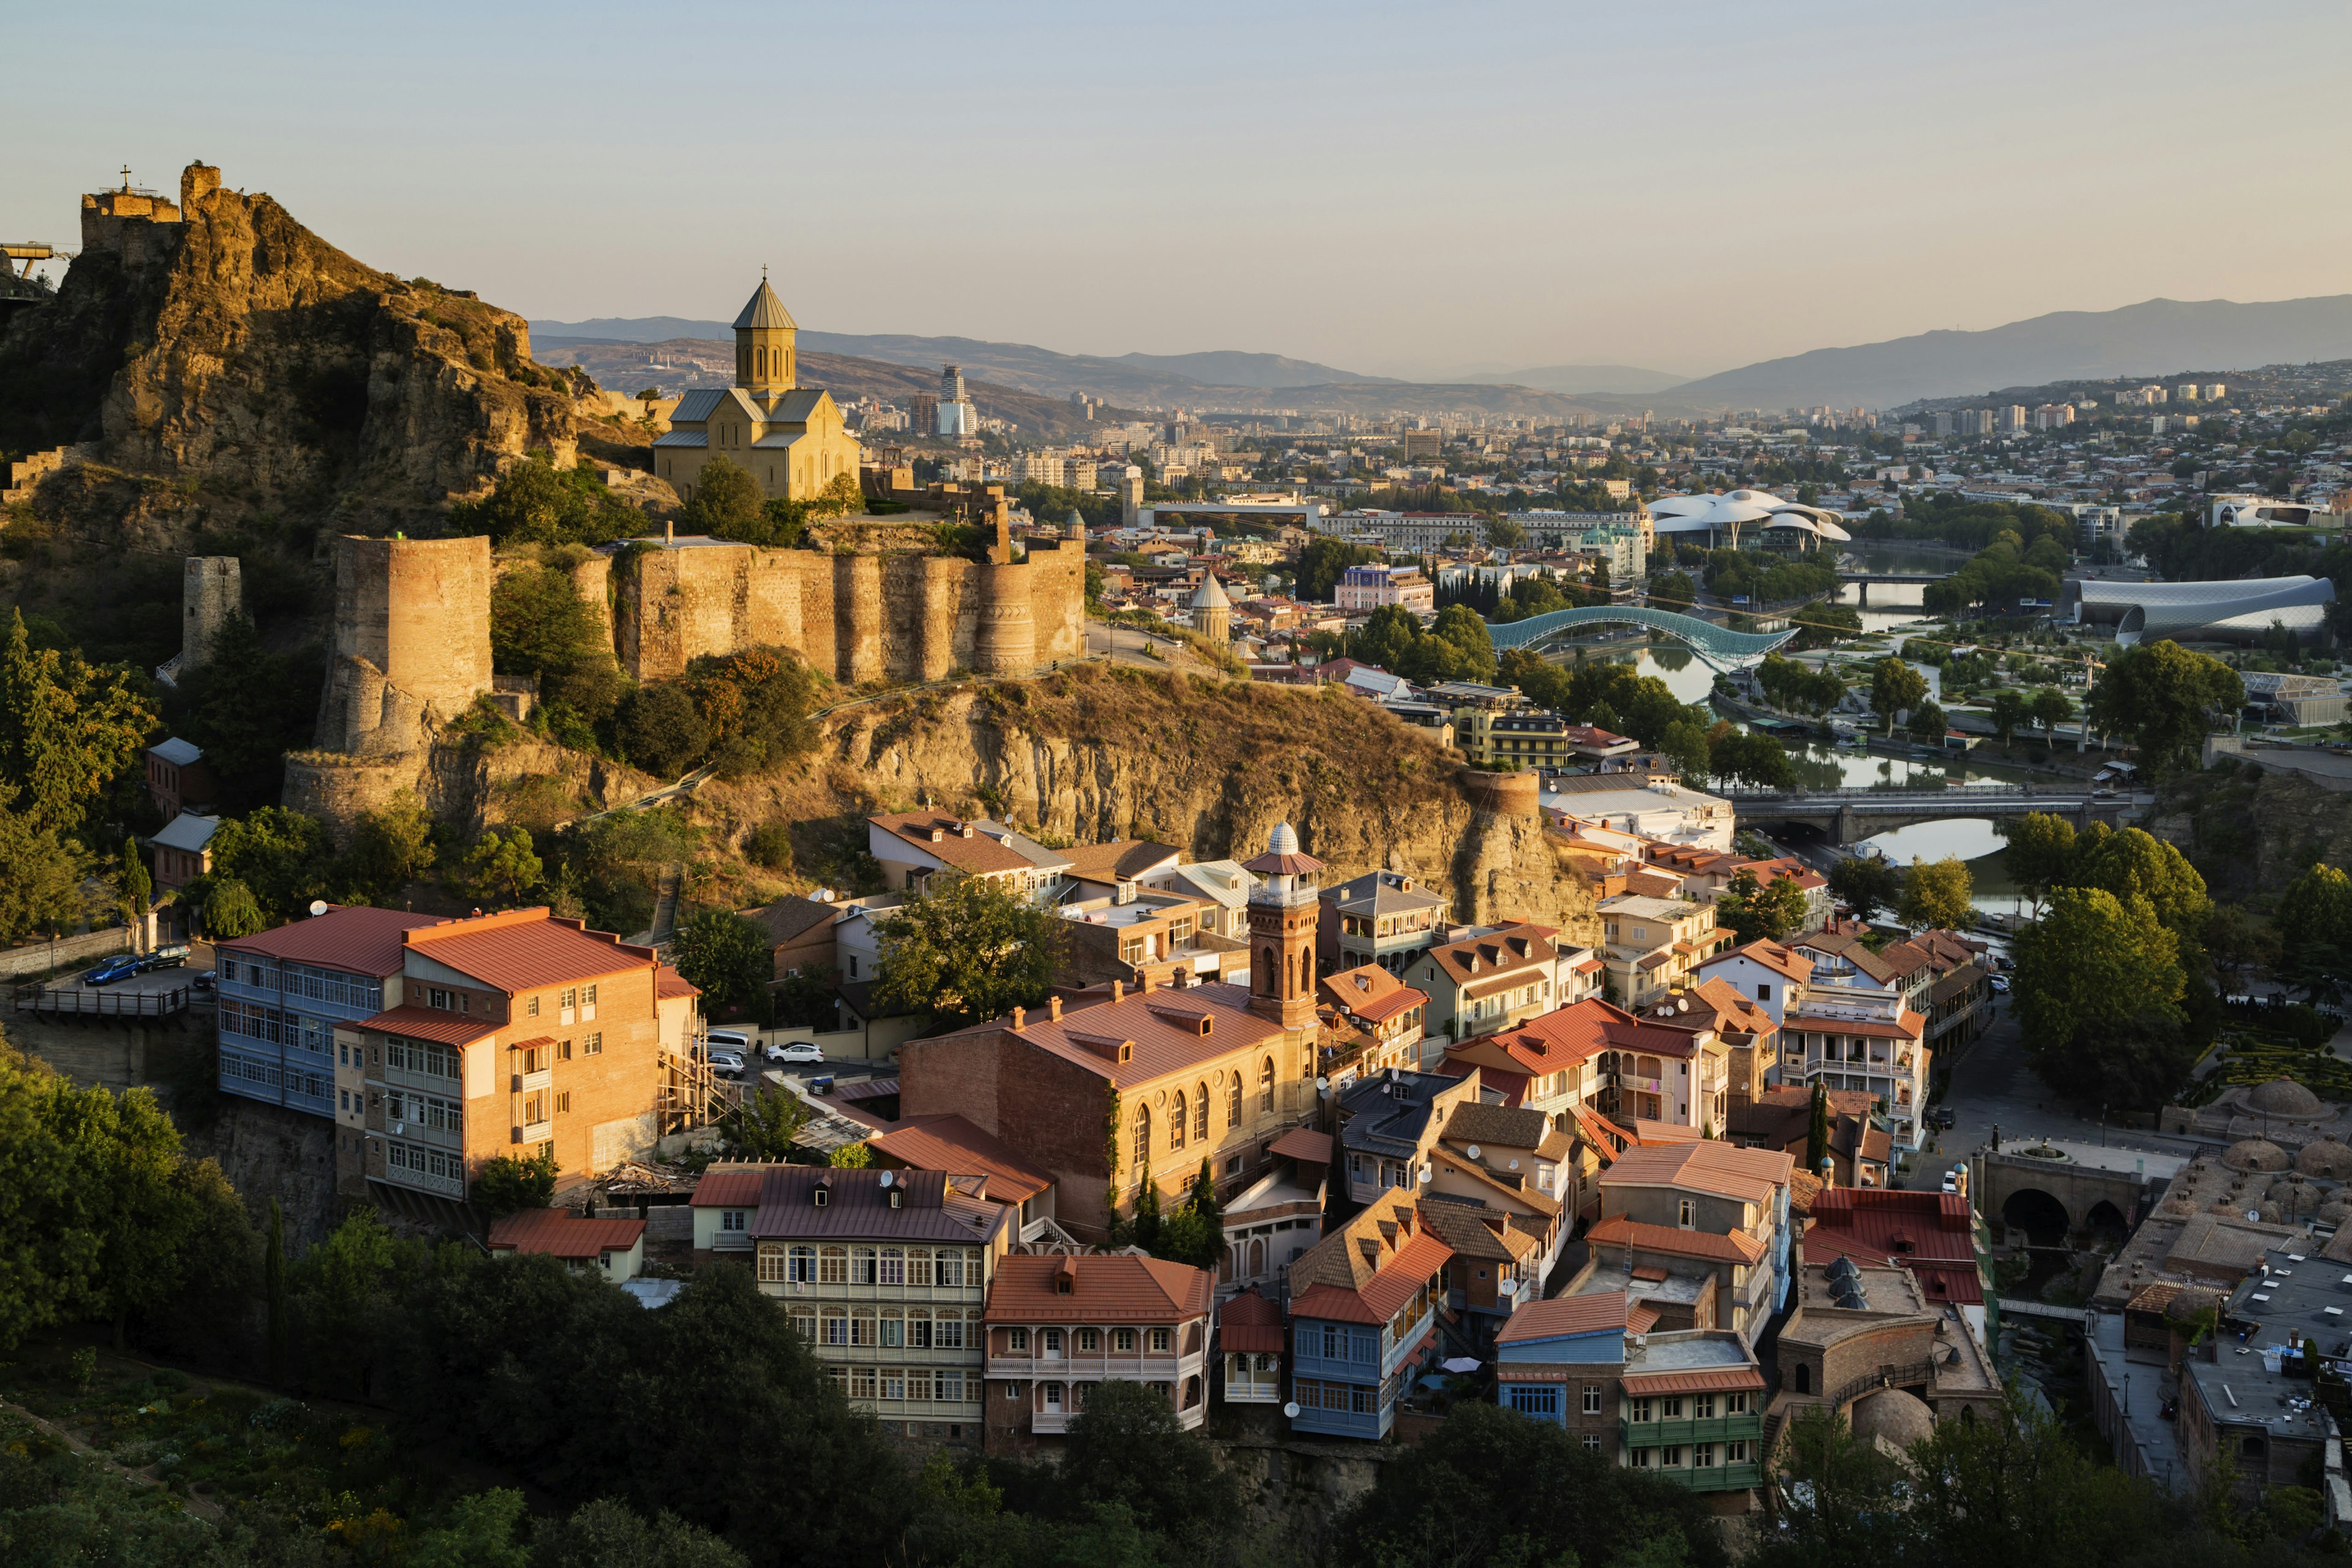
1575, 379
2154, 337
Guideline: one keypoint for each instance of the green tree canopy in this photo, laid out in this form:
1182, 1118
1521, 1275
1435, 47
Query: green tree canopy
1895, 686
2091, 970
728, 956
510, 1181
727, 502
1928, 724
535, 502
1866, 884
2132, 863
2165, 699
1321, 562
1765, 913
1750, 758
965, 952
503, 866
247, 706
281, 857
1936, 893
661, 731
66, 729
2040, 851
230, 911
2314, 924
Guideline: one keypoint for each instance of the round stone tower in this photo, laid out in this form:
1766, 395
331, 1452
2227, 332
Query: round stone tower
412, 641
1005, 641
211, 592
1213, 612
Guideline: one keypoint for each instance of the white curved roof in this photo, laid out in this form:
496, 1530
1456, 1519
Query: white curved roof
2246, 607
1283, 840
1701, 514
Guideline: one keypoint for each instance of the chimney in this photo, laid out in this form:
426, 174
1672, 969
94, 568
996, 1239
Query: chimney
1020, 1016
1119, 991
1054, 1009
669, 534
1149, 983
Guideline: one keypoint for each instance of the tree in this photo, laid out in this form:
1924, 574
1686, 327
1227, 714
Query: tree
230, 911
1845, 1504
1751, 758
725, 955
507, 1183
1895, 686
1817, 1130
41, 890
605, 1534
535, 502
137, 888
482, 1529
2091, 970
391, 847
1936, 894
66, 729
761, 1125
1928, 724
247, 705
2166, 700
770, 846
1866, 884
2314, 922
279, 1331
2132, 863
967, 952
1503, 533
283, 856
1320, 563
2050, 709
1761, 913
2237, 942
2040, 852
660, 730
727, 502
852, 1157
503, 866
1125, 1448
2008, 709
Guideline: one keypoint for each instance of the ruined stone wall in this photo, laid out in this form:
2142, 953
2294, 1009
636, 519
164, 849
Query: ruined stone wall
1058, 596
211, 591
412, 642
1007, 639
858, 618
592, 580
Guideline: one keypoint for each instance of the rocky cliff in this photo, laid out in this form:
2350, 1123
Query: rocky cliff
232, 349
1207, 765
2248, 832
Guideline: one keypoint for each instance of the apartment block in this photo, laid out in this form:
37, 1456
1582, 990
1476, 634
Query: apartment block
1653, 945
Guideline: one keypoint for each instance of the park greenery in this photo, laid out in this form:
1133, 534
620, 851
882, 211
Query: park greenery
2005, 571
968, 950
2164, 699
1457, 647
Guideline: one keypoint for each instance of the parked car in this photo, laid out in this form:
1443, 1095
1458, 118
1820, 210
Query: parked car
729, 1040
173, 957
206, 979
2001, 985
727, 1062
796, 1051
121, 966
1941, 1118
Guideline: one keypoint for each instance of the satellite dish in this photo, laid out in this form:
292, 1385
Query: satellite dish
1290, 1411
1322, 1085
885, 1178
1515, 1165
318, 906
1474, 1150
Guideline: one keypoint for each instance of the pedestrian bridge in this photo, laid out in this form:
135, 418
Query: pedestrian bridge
1719, 646
1850, 815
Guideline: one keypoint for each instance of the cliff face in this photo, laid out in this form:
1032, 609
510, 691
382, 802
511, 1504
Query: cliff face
236, 349
2250, 832
1091, 756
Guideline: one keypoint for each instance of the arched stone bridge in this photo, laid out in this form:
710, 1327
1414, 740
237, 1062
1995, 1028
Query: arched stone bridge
2051, 1199
1719, 646
1850, 815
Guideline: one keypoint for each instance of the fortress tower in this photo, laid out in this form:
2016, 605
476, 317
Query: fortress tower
211, 591
412, 642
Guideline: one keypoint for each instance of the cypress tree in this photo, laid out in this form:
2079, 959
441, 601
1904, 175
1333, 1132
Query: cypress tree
1817, 1136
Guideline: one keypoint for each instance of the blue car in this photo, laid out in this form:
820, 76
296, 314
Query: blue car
122, 966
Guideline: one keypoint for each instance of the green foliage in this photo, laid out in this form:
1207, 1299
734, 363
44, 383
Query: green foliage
966, 951
230, 910
1750, 759
282, 855
1866, 884
1322, 562
1826, 624
605, 1534
390, 848
536, 503
1765, 913
2132, 863
1817, 1130
755, 708
510, 1181
852, 1157
660, 730
1895, 686
2041, 848
1798, 687
1765, 580
483, 1531
1606, 692
728, 956
137, 887
726, 502
1491, 1486
2003, 572
1928, 724
2010, 710
1673, 591
1126, 1449
67, 732
2165, 699
606, 870
2314, 920
539, 625
1936, 893
503, 866
1457, 647
2098, 992
760, 1126
41, 889
770, 846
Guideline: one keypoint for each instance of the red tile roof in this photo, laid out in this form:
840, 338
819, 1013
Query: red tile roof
1640, 1318
1306, 1147
430, 1024
1562, 1315
1117, 1288
951, 1144
669, 982
1772, 956
1250, 1322
1737, 1247
520, 950
1378, 1299
1160, 1024
729, 1189
977, 854
355, 939
1704, 1165
1370, 992
1513, 948
563, 1235
1123, 860
1709, 1379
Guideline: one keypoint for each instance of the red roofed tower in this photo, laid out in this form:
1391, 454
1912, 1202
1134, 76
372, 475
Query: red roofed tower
1282, 911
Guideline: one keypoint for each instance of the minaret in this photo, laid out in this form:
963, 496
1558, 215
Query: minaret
766, 361
1282, 911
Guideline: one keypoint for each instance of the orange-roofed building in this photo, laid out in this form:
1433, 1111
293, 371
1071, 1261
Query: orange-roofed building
1059, 1325
1363, 1314
1251, 1340
614, 1249
450, 1042
1715, 1009
1710, 1222
1374, 1022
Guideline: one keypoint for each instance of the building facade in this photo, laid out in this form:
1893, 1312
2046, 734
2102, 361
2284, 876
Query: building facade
791, 438
1060, 1325
1363, 1308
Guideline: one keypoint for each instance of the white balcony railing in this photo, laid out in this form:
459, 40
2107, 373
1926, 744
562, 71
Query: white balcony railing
1087, 1368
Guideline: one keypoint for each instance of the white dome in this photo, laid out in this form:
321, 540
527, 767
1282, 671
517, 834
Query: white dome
1283, 840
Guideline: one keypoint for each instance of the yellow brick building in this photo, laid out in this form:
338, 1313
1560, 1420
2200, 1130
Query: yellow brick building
791, 437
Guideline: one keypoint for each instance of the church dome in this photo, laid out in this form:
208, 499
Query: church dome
1901, 1418
2256, 1155
1073, 526
2284, 1096
765, 310
1211, 596
1283, 840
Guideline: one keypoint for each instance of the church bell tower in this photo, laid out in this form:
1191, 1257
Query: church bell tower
765, 351
1282, 914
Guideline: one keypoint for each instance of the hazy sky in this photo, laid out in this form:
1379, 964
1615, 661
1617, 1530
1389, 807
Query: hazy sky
1403, 189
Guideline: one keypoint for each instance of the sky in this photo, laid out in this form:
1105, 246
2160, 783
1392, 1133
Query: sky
1417, 190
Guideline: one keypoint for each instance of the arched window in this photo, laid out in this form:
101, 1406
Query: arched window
1201, 1113
1306, 973
1176, 1121
1266, 1084
1256, 1258
1142, 1136
1265, 969
1234, 1103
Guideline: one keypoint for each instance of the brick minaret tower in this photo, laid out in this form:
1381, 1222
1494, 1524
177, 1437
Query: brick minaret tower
1282, 911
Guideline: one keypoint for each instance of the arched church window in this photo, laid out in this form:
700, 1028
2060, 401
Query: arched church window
1176, 1121
1265, 1084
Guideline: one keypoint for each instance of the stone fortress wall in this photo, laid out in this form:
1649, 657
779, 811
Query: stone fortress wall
411, 644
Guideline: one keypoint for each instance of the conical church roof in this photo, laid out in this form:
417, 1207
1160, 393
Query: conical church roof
1211, 593
766, 311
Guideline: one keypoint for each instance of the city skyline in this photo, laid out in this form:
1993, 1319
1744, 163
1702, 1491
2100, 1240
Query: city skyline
1356, 187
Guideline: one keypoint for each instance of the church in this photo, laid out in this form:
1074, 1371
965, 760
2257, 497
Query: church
789, 437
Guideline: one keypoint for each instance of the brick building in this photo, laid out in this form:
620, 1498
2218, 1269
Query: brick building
1058, 1325
1111, 1087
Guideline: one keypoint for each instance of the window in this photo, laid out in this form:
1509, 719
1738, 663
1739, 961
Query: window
861, 1382
563, 1050
1701, 1455
1051, 1394
1265, 1084
564, 1102
732, 1219
1737, 1453
1644, 1410
833, 1266
865, 1326
948, 1268
1703, 1407
1090, 1340
534, 1107
1735, 1405
1142, 1136
594, 1045
1123, 1339
1017, 1341
534, 1058
893, 1330
836, 1326
1201, 1114
1592, 1442
800, 1264
1670, 1457
1592, 1399
1234, 1102
771, 1265
947, 1332
1533, 1399
1176, 1121
1673, 1407
893, 1265
804, 1324
1012, 1391
1687, 1213
1050, 1342
531, 1007
919, 1265
1160, 1338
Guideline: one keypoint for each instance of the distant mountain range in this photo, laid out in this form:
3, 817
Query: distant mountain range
1574, 379
2154, 337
